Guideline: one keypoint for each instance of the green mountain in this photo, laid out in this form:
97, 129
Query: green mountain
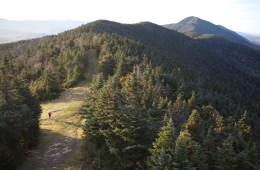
145, 71
175, 49
198, 28
229, 65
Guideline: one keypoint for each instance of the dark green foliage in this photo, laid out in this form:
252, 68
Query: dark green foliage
51, 63
46, 87
226, 159
195, 126
19, 117
122, 114
146, 72
187, 153
221, 73
162, 151
126, 103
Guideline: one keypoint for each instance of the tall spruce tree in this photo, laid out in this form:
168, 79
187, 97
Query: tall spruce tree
162, 151
195, 126
188, 154
226, 156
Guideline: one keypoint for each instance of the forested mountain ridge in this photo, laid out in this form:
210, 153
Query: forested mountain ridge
198, 28
222, 63
146, 72
170, 48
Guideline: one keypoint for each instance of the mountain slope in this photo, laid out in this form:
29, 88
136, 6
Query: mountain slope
175, 47
129, 98
145, 72
195, 27
170, 50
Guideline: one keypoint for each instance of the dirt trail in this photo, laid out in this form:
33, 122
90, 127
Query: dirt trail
61, 141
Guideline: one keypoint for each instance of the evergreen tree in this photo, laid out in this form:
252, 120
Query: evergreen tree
192, 101
188, 153
162, 151
180, 111
209, 146
243, 128
226, 155
195, 126
19, 117
182, 151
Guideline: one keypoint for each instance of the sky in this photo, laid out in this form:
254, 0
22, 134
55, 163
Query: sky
237, 15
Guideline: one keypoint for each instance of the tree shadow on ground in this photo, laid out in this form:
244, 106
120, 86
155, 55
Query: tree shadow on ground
53, 152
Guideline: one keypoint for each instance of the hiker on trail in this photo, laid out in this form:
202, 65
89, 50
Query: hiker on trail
49, 114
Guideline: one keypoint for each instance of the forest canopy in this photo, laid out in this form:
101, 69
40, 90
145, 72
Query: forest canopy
158, 99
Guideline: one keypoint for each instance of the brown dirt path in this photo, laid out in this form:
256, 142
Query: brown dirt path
61, 143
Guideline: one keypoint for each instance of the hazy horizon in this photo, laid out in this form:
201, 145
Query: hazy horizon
237, 15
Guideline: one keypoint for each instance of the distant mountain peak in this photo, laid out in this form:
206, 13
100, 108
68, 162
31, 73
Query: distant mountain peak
197, 28
191, 19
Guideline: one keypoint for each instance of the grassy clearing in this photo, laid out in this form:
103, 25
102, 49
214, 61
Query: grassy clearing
61, 141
